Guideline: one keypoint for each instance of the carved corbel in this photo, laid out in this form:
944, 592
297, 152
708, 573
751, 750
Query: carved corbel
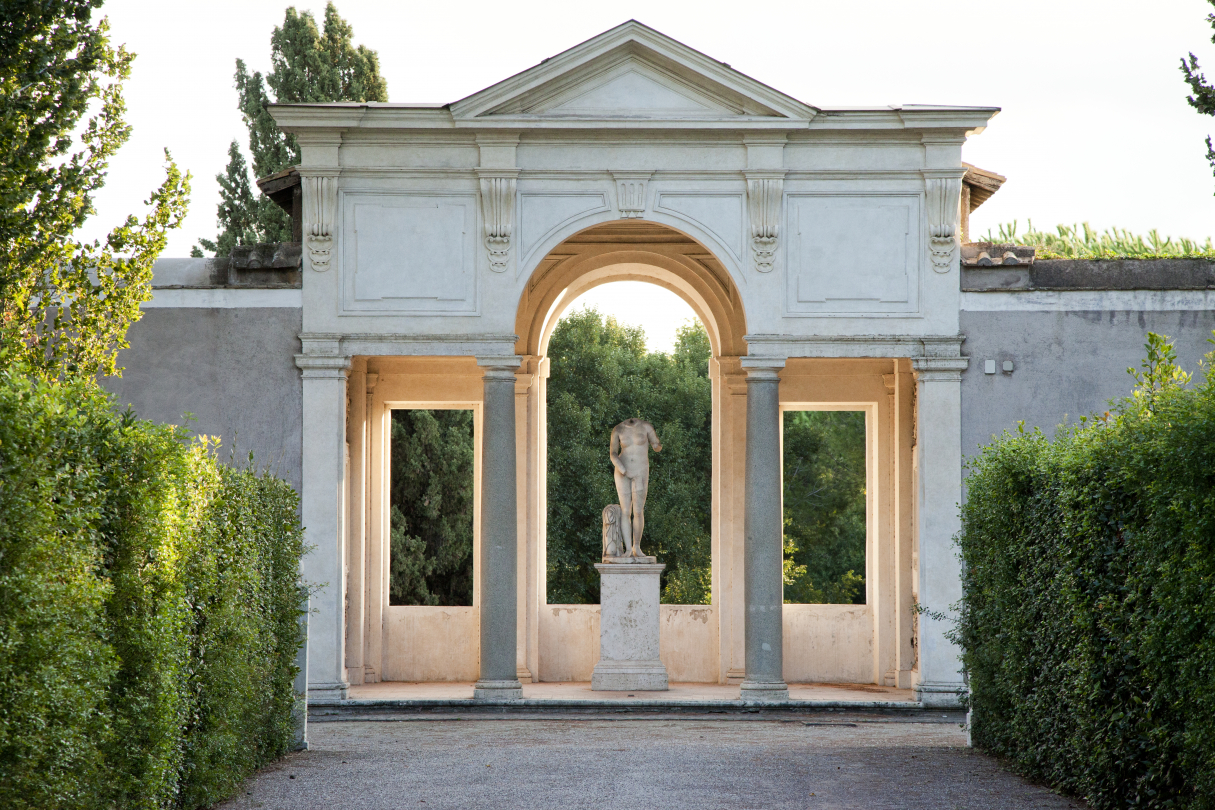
320, 206
631, 193
498, 215
764, 193
944, 194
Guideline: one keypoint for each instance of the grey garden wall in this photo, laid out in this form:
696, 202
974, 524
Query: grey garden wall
232, 367
1067, 363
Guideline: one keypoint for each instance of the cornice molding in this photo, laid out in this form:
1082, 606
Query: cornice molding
854, 346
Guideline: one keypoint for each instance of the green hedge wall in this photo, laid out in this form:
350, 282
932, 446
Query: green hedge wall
149, 608
1088, 618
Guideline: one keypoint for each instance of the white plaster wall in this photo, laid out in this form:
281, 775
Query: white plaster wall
688, 643
569, 642
431, 643
828, 644
565, 184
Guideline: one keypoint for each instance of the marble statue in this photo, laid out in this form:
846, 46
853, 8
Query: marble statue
630, 454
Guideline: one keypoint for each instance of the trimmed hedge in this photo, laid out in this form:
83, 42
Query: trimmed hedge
149, 608
1088, 617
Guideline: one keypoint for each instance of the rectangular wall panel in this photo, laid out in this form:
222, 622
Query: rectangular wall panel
410, 254
853, 254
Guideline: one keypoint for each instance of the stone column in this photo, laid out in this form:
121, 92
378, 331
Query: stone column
499, 534
939, 467
763, 563
322, 505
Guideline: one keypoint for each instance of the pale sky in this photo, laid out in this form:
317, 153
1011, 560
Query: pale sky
1095, 126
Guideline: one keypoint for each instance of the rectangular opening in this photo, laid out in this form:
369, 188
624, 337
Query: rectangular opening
601, 374
825, 503
431, 499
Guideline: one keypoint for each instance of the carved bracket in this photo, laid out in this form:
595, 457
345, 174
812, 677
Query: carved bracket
764, 192
320, 206
498, 214
631, 193
944, 194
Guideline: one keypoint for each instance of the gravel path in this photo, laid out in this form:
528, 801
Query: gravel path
805, 763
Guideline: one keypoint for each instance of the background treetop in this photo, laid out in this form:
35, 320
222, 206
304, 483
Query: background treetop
308, 65
1203, 98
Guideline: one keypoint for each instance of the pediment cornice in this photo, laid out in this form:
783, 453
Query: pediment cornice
710, 91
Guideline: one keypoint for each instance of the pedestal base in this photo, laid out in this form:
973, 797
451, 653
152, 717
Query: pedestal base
753, 692
629, 676
940, 695
327, 691
497, 690
628, 629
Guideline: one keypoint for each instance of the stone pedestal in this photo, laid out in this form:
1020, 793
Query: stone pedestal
628, 629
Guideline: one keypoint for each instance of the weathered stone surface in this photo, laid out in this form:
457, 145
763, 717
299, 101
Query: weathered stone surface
628, 629
1093, 274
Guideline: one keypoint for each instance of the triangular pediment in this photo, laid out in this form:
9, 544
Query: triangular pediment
634, 91
631, 72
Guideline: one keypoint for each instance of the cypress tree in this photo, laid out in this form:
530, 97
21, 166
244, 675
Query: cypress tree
308, 65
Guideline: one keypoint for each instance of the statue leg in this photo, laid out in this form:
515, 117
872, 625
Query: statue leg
639, 493
624, 494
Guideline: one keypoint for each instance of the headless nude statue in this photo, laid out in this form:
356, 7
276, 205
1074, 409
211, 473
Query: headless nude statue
631, 443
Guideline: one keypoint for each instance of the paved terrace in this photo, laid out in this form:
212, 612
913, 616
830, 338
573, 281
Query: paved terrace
866, 761
544, 697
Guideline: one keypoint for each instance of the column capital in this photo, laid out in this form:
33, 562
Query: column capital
323, 367
496, 361
939, 369
500, 368
762, 369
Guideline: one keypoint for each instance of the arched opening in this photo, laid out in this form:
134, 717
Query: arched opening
631, 251
562, 644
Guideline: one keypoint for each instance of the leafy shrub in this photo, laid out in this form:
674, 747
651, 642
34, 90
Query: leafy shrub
56, 663
149, 608
243, 587
1088, 622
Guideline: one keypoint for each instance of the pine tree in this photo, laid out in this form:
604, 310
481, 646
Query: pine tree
307, 66
1203, 99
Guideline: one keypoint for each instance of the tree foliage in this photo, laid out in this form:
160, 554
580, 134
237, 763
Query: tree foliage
601, 375
825, 501
1203, 94
431, 507
1087, 621
65, 305
307, 65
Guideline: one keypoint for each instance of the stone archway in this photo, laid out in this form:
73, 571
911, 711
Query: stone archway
560, 642
631, 251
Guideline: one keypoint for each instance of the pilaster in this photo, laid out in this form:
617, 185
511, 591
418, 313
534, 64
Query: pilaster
356, 477
528, 475
324, 372
939, 451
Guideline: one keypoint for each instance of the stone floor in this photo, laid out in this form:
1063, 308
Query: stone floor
581, 691
823, 761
